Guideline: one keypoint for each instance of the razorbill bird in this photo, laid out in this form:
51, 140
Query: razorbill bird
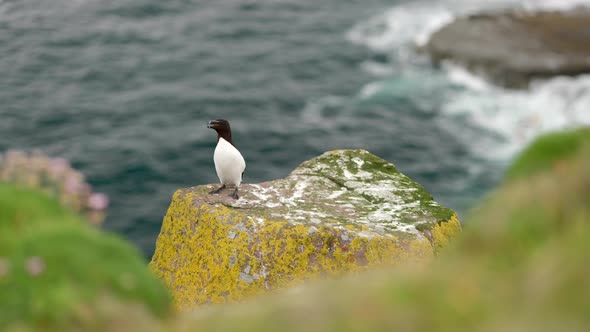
229, 163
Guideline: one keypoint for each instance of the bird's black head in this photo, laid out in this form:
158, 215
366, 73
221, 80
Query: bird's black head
222, 128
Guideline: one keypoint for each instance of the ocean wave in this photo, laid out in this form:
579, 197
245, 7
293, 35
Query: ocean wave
517, 117
555, 4
400, 26
412, 24
496, 122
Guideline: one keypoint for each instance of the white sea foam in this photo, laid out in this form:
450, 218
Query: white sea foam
495, 122
461, 76
370, 90
555, 4
516, 117
400, 25
413, 23
377, 68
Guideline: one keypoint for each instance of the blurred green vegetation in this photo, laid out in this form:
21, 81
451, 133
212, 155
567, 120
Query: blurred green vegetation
548, 151
55, 267
521, 264
54, 176
23, 210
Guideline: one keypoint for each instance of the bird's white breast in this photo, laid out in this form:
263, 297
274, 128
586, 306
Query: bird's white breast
229, 163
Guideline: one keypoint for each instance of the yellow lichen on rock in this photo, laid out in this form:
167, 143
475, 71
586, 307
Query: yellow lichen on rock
445, 231
212, 249
211, 254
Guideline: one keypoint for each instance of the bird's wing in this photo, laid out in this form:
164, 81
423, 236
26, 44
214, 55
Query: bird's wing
242, 163
239, 159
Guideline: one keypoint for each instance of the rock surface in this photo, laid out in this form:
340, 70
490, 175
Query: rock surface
346, 210
521, 265
512, 48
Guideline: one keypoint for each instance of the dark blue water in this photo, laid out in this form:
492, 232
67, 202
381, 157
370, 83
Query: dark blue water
124, 89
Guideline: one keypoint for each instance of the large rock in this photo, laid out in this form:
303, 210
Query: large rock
345, 210
511, 48
521, 265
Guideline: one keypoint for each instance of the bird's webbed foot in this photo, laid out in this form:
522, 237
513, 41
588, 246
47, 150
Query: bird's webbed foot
234, 195
218, 190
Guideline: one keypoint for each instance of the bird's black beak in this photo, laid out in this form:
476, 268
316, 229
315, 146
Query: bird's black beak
217, 124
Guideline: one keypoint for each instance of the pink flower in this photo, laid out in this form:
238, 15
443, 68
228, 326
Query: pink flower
74, 183
98, 201
15, 155
58, 166
35, 266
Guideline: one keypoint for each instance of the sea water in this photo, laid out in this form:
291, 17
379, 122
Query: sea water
124, 89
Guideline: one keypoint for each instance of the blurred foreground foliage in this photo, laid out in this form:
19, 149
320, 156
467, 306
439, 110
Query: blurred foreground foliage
521, 264
57, 178
57, 270
548, 151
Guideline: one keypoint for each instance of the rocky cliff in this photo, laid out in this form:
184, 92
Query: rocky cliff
512, 48
345, 210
